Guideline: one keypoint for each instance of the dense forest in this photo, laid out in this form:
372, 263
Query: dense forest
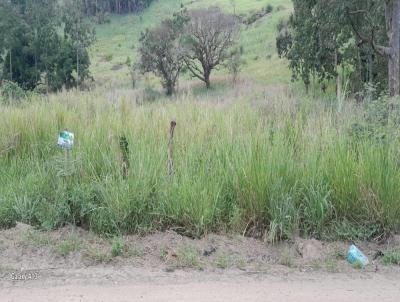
94, 7
42, 43
46, 42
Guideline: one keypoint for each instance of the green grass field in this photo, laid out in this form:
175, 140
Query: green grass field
260, 158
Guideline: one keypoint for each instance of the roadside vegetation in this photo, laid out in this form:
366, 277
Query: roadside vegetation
248, 153
264, 168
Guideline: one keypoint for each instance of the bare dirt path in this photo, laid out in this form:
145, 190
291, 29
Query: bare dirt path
72, 264
197, 286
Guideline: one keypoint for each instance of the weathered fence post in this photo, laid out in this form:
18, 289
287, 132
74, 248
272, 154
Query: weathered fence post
170, 148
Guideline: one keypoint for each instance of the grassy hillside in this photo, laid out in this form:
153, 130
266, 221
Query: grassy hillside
119, 39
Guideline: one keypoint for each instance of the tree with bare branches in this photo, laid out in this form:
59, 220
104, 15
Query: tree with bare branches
208, 36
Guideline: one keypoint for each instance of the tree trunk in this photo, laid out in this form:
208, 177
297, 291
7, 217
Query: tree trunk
393, 20
77, 65
207, 79
370, 67
11, 73
170, 89
338, 78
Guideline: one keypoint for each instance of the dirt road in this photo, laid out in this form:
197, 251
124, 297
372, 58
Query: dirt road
217, 287
74, 265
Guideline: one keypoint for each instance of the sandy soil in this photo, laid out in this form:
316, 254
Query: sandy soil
74, 265
213, 287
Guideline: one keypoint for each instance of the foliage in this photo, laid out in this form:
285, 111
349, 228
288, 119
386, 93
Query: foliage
297, 170
392, 257
254, 16
10, 93
99, 8
161, 51
79, 32
322, 35
117, 247
235, 62
34, 51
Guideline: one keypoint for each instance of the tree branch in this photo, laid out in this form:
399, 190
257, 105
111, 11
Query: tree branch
382, 50
356, 12
195, 71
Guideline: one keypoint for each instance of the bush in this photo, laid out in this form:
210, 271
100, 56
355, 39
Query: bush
268, 9
108, 57
11, 93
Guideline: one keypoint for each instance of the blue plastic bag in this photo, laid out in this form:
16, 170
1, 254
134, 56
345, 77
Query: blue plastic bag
354, 255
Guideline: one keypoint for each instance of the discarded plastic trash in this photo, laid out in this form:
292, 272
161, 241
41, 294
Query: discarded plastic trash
355, 256
66, 140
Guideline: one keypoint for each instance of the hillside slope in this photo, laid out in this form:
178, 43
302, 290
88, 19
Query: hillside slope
118, 40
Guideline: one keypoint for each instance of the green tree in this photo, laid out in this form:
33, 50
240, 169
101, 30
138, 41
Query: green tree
317, 37
161, 52
80, 32
14, 38
32, 50
43, 22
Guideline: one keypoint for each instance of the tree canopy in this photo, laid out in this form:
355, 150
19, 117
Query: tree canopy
161, 52
33, 49
321, 35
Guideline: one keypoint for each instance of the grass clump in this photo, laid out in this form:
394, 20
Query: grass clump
330, 264
391, 257
97, 255
71, 244
222, 260
118, 247
37, 239
286, 258
188, 257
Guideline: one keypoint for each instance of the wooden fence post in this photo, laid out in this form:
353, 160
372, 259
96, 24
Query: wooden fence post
170, 148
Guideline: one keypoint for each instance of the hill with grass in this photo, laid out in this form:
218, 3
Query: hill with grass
118, 41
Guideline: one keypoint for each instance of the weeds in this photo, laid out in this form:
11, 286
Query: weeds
97, 255
286, 258
223, 260
330, 264
392, 257
117, 247
311, 177
71, 244
188, 257
36, 239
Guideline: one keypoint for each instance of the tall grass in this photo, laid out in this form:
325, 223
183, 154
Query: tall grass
272, 166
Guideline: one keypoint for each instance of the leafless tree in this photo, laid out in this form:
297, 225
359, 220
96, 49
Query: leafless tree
209, 35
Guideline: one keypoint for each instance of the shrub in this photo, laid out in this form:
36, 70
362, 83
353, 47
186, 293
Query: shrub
108, 57
11, 93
